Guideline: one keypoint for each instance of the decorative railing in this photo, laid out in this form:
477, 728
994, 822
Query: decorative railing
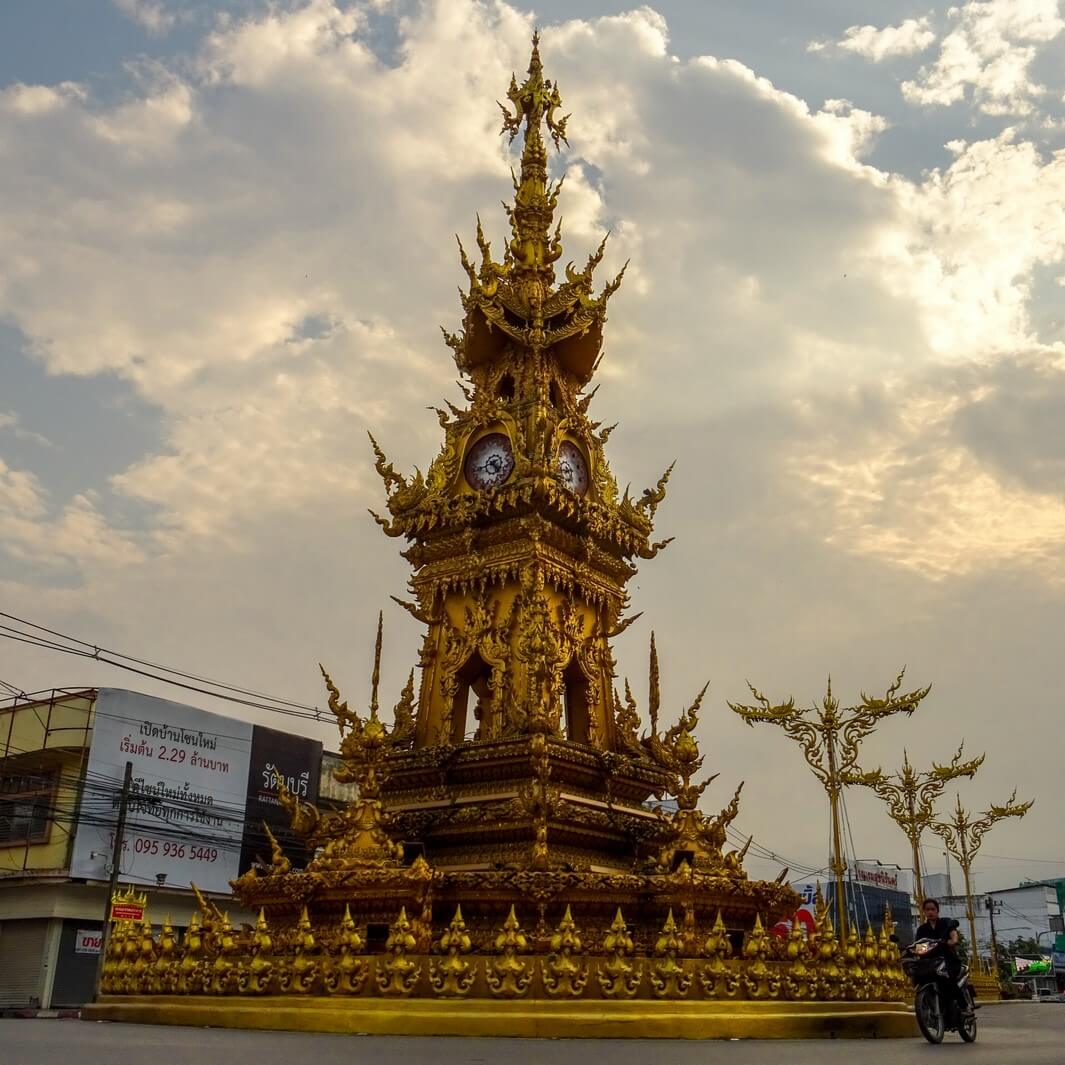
212, 958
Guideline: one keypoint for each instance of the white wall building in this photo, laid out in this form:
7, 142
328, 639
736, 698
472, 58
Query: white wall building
1021, 912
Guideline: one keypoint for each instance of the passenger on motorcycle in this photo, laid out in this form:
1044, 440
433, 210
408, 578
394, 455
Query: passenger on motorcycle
936, 927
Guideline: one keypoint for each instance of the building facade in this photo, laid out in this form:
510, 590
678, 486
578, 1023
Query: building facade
58, 811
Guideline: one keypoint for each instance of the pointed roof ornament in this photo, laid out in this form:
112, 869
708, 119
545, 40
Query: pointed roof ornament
375, 681
533, 247
537, 98
516, 300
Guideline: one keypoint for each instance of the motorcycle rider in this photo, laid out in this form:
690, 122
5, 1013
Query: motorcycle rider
941, 928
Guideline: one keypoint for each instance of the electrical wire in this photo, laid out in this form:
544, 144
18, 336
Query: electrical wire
97, 650
1014, 858
310, 713
856, 885
16, 692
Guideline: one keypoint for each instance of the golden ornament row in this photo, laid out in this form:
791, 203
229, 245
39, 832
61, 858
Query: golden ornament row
213, 958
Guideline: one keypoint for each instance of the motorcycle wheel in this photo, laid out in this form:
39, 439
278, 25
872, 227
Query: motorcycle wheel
929, 1015
967, 1025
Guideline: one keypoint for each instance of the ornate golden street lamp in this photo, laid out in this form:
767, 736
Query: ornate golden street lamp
911, 796
830, 743
963, 835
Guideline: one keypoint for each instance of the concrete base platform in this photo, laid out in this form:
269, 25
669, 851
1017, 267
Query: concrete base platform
516, 1017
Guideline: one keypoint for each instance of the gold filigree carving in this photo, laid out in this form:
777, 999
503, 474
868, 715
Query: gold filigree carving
344, 973
298, 971
564, 971
619, 976
453, 975
256, 973
509, 975
669, 978
397, 974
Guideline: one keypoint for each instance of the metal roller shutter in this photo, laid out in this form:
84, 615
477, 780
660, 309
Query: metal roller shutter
21, 962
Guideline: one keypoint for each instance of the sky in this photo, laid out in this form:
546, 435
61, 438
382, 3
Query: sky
228, 247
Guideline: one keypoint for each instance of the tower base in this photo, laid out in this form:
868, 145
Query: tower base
535, 1018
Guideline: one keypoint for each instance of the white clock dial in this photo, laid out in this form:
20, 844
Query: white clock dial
490, 461
573, 468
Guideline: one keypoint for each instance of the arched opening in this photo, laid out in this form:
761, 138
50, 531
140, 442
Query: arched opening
506, 387
575, 703
474, 677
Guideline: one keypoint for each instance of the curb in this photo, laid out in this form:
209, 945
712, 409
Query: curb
34, 1014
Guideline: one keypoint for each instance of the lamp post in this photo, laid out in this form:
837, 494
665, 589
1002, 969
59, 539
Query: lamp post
911, 796
830, 741
963, 834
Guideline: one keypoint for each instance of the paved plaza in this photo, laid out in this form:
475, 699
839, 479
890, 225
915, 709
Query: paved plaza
1010, 1034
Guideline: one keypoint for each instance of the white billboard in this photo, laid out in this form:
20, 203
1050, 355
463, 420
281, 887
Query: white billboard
881, 876
184, 818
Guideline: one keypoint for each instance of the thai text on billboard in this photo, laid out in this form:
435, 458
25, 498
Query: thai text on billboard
185, 813
278, 758
877, 876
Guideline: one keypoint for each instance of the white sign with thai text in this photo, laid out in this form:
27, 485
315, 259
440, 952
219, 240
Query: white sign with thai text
877, 876
184, 817
87, 941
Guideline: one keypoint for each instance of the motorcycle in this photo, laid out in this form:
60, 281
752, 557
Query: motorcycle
935, 1007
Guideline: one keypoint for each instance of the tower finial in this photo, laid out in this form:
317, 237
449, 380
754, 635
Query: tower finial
533, 247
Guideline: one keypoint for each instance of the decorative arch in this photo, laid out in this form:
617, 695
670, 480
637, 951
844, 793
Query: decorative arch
473, 677
576, 702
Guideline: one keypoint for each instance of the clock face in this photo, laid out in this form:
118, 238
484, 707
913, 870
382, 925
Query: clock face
490, 461
572, 468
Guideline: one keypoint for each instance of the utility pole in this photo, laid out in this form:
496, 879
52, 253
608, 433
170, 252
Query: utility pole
989, 902
116, 860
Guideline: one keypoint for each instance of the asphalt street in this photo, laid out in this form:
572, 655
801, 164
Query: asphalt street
1010, 1034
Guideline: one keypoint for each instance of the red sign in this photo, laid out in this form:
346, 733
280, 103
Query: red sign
125, 911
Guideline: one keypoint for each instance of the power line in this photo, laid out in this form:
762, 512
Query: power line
16, 692
97, 650
102, 655
1014, 858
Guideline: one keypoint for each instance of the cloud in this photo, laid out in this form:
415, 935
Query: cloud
975, 233
258, 239
38, 538
30, 101
987, 57
10, 421
914, 487
911, 36
194, 260
151, 14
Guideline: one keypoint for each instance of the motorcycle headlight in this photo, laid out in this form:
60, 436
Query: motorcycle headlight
921, 949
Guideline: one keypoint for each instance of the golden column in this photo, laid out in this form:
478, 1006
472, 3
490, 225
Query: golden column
911, 797
963, 836
830, 745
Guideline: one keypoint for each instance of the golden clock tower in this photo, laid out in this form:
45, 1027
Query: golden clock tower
521, 549
499, 871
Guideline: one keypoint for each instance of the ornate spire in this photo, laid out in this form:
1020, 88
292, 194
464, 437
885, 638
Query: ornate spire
533, 248
516, 300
